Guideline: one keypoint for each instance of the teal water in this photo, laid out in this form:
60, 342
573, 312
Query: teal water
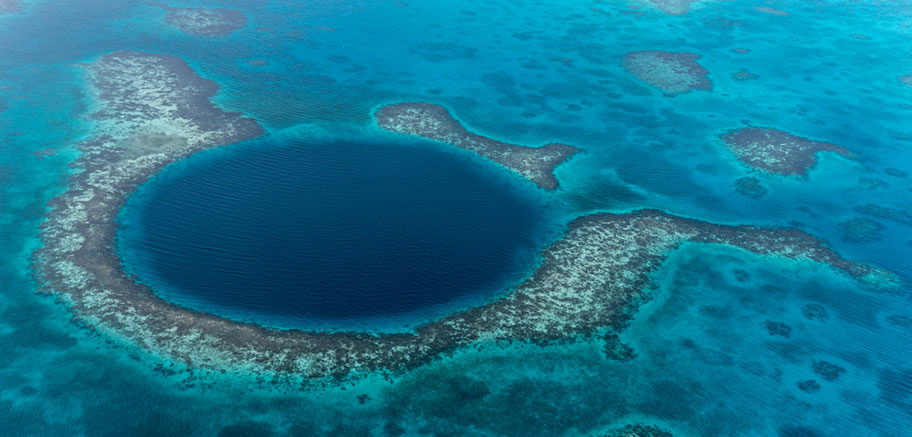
706, 364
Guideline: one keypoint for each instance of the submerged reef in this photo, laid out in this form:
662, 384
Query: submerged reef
897, 215
673, 73
10, 6
434, 122
151, 109
814, 311
776, 151
899, 321
750, 187
771, 11
809, 386
906, 79
203, 22
778, 328
861, 231
895, 172
744, 75
639, 430
617, 350
827, 370
674, 7
873, 183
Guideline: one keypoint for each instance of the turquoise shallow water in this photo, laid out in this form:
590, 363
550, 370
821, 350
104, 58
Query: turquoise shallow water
528, 73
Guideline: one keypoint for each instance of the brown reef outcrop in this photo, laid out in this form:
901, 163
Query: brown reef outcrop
777, 151
203, 22
434, 122
673, 73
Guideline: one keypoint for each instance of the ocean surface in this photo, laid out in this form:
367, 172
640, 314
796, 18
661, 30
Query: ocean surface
707, 362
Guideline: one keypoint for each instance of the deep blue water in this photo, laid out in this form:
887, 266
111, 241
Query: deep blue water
530, 73
302, 233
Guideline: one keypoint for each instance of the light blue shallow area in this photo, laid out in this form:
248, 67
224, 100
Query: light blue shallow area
529, 73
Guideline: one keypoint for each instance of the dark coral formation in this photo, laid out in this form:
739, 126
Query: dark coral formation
638, 430
744, 75
906, 79
203, 22
873, 183
617, 350
777, 151
750, 187
778, 328
152, 109
44, 153
895, 172
674, 7
897, 215
899, 321
434, 122
814, 311
771, 11
719, 22
809, 386
827, 370
439, 52
861, 231
742, 276
673, 73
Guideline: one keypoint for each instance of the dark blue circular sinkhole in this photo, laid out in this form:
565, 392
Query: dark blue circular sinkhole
331, 234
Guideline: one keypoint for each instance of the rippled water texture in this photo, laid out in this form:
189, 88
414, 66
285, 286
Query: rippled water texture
301, 233
725, 343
